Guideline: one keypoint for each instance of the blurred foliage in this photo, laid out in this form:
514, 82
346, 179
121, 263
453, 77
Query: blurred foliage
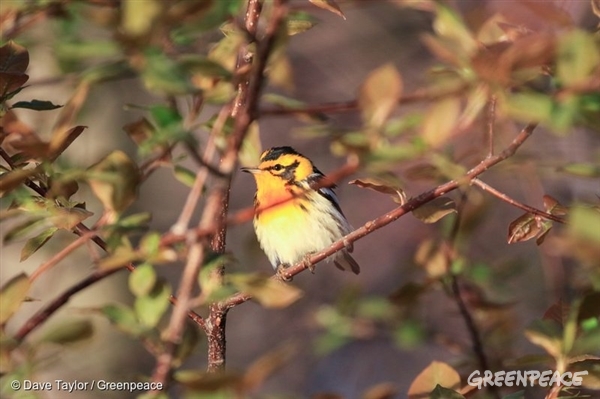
187, 53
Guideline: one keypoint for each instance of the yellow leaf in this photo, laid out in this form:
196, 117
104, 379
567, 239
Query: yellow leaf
379, 95
440, 121
329, 5
268, 292
437, 373
12, 294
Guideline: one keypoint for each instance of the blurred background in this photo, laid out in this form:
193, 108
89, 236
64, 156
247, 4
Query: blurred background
328, 64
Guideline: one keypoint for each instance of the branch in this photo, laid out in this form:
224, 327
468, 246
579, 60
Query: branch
352, 105
515, 203
393, 215
477, 344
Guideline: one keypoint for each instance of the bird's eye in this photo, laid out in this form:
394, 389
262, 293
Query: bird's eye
277, 167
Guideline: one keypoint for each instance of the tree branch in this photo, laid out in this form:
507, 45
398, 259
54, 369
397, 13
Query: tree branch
515, 203
352, 105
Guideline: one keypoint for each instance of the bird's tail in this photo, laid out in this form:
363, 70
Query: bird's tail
346, 262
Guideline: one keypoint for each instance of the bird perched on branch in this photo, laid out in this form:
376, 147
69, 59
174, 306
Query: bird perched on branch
295, 215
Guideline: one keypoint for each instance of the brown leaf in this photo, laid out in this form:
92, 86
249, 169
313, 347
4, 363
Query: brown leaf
596, 7
57, 148
554, 207
398, 195
549, 12
12, 179
558, 312
534, 50
14, 60
140, 130
437, 373
61, 129
524, 228
329, 5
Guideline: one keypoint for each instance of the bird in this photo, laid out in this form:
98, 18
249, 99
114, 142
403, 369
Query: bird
294, 214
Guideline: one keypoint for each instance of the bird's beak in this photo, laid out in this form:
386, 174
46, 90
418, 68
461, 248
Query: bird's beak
251, 170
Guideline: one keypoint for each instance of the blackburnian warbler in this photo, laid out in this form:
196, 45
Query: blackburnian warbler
294, 217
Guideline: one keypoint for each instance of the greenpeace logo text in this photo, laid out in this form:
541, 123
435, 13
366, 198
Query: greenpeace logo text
522, 378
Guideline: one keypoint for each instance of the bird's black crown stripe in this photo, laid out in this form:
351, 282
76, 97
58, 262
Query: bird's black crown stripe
276, 152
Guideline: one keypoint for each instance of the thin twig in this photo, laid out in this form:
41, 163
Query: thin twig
352, 105
62, 254
515, 203
491, 124
474, 333
209, 152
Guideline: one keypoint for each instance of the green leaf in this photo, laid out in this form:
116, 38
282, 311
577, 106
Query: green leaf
581, 169
142, 280
203, 66
165, 116
379, 95
439, 392
122, 256
184, 175
106, 71
150, 308
139, 17
68, 332
586, 343
409, 334
22, 229
36, 105
529, 107
435, 210
12, 294
135, 221
150, 245
450, 26
548, 335
164, 75
210, 280
437, 373
268, 292
578, 57
74, 50
299, 22
66, 218
35, 243
124, 319
583, 224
